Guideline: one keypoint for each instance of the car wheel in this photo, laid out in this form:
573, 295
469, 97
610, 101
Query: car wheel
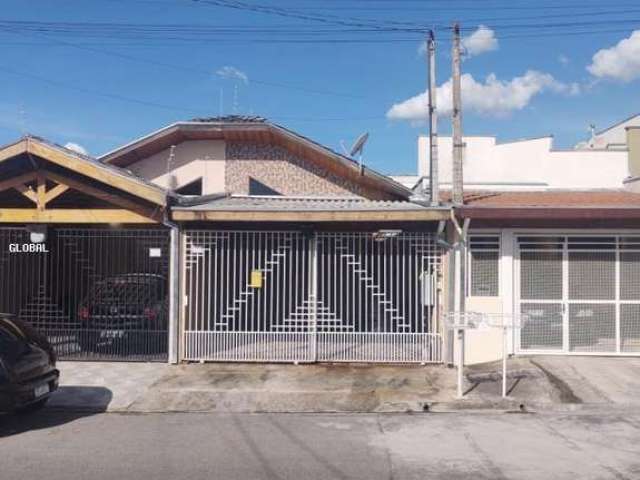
88, 342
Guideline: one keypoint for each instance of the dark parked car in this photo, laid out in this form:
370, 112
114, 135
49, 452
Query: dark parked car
124, 309
28, 372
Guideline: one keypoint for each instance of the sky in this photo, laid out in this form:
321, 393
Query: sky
96, 74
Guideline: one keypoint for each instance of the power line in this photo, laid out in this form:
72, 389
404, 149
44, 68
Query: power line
89, 91
183, 68
148, 103
281, 35
289, 13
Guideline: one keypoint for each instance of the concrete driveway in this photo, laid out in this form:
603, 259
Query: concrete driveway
104, 386
611, 381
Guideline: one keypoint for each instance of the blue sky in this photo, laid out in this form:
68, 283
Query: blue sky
69, 80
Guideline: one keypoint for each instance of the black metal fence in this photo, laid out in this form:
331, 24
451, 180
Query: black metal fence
97, 293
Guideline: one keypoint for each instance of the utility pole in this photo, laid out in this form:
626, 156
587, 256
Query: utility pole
457, 190
433, 123
457, 199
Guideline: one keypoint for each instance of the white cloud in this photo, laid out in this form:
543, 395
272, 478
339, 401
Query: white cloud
620, 62
493, 97
481, 41
232, 73
76, 148
563, 59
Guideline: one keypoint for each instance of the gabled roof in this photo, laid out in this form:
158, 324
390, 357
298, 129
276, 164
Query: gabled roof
617, 124
86, 166
255, 129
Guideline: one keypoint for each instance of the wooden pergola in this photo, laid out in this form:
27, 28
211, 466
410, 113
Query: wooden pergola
56, 185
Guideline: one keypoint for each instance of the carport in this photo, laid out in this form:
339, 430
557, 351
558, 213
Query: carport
84, 253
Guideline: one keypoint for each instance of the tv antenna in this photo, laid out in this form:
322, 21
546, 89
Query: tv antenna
358, 148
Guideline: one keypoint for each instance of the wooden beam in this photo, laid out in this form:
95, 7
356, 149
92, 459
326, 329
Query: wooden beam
97, 193
311, 216
55, 192
41, 191
13, 150
27, 192
17, 180
103, 216
97, 172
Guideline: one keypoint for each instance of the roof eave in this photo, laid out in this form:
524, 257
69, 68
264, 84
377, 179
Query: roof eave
306, 216
547, 212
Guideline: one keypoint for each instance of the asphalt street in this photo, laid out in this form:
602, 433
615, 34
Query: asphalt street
68, 446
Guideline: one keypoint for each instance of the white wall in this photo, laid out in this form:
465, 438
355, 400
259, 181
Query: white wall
526, 164
193, 159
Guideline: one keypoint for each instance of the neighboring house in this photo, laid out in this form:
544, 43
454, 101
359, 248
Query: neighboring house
566, 262
611, 138
553, 241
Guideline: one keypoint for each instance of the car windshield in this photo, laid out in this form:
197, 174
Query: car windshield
129, 290
11, 347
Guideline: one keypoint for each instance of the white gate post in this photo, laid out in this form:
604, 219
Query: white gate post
174, 293
313, 296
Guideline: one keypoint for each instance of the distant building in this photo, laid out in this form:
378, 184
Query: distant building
611, 138
603, 162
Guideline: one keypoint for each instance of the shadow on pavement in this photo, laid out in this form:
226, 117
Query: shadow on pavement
86, 398
61, 410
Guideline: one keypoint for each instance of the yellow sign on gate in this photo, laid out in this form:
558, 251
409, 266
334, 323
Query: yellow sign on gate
256, 279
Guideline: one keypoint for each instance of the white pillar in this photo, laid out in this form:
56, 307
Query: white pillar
507, 282
174, 294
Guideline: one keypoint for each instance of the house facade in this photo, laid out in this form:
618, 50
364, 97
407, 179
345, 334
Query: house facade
562, 266
277, 249
236, 239
552, 243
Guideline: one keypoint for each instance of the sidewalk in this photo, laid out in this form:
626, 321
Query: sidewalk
535, 383
104, 386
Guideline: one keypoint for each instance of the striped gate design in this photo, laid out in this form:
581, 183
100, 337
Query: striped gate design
300, 297
96, 293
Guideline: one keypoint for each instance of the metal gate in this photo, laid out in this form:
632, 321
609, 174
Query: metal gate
298, 297
581, 294
98, 294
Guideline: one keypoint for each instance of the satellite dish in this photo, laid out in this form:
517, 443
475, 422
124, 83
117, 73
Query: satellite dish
359, 145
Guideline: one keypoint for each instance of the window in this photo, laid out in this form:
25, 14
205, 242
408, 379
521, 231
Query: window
484, 266
191, 188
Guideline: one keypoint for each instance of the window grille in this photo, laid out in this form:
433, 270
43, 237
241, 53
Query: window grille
484, 265
581, 293
592, 275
